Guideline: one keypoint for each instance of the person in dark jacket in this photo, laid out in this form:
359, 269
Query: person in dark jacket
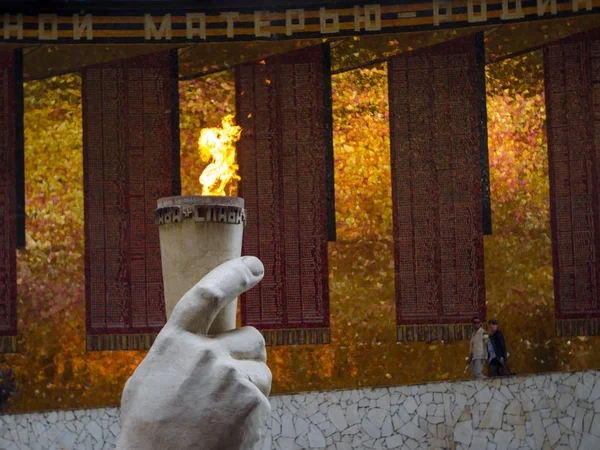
497, 355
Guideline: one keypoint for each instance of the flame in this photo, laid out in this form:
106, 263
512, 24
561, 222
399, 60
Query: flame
217, 146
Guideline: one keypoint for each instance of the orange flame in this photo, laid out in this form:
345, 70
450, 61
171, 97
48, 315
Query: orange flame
217, 146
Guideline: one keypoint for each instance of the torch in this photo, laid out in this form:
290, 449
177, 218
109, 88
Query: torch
198, 233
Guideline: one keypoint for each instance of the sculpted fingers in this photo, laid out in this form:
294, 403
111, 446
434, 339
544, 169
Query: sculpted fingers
200, 305
258, 373
244, 343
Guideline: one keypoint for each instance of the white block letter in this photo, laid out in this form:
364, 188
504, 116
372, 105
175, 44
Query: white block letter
438, 15
191, 30
80, 27
150, 30
47, 34
10, 27
260, 24
290, 16
229, 16
372, 18
577, 3
333, 17
509, 15
471, 17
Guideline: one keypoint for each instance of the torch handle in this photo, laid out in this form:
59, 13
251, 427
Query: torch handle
197, 234
225, 320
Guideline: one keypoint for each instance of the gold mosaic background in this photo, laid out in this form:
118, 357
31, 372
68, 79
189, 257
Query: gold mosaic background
53, 370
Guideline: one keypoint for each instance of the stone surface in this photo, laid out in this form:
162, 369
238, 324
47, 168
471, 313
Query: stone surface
463, 432
589, 442
412, 431
515, 413
337, 417
316, 438
493, 415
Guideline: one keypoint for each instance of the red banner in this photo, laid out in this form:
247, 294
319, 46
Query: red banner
128, 162
8, 205
283, 157
435, 105
572, 80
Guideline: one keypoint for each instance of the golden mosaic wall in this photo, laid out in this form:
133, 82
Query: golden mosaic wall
53, 370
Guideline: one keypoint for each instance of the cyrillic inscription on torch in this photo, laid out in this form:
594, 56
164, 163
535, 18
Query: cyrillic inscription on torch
201, 213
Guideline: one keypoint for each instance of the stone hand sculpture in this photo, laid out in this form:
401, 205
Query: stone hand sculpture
195, 391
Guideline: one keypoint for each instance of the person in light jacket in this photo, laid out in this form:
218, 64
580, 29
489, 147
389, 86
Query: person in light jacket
478, 349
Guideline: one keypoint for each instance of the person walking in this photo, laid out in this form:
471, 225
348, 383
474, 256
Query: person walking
497, 356
478, 349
